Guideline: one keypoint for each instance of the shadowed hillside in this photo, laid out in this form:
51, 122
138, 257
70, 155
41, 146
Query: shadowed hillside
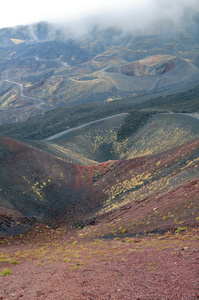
43, 187
96, 140
36, 186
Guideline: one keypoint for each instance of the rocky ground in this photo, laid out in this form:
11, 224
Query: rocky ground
65, 264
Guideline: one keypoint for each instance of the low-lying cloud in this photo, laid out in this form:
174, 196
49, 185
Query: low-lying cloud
145, 16
78, 17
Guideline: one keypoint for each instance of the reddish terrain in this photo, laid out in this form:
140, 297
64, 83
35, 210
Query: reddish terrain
157, 191
55, 265
116, 230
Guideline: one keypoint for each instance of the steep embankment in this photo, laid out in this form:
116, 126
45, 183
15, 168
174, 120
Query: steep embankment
43, 187
152, 193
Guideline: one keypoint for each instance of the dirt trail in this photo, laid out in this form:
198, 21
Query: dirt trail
58, 135
30, 99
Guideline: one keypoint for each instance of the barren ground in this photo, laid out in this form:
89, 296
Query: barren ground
61, 264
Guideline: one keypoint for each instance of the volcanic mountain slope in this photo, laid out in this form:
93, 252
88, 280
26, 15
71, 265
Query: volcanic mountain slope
162, 132
100, 75
95, 141
98, 141
61, 70
140, 109
43, 187
58, 86
33, 190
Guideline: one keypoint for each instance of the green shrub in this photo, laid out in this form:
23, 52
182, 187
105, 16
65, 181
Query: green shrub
5, 272
179, 229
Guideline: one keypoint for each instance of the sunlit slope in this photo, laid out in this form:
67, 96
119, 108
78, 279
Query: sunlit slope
151, 194
99, 141
162, 132
96, 141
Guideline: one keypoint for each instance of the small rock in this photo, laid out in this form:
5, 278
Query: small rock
137, 241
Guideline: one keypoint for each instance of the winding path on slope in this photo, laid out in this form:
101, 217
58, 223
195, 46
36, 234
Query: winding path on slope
62, 63
21, 87
82, 126
30, 99
58, 135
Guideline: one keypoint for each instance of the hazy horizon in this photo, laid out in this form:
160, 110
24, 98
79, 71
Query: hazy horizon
147, 15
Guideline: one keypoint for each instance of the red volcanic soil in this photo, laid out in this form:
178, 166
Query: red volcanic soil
133, 69
39, 185
157, 64
156, 59
136, 223
63, 265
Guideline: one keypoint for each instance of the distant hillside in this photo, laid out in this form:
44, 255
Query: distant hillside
105, 65
162, 132
57, 120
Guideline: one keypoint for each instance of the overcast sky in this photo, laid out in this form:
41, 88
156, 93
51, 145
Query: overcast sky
126, 13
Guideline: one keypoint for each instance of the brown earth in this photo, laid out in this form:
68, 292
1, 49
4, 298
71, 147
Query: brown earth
120, 230
60, 264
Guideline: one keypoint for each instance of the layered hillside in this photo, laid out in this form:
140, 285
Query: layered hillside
98, 125
43, 67
32, 190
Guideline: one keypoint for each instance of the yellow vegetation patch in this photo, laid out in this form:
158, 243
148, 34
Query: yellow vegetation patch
126, 185
54, 87
17, 41
28, 84
158, 140
122, 187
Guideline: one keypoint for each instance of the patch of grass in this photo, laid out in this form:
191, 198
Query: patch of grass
67, 260
3, 260
152, 264
151, 269
5, 272
179, 229
74, 243
13, 262
75, 267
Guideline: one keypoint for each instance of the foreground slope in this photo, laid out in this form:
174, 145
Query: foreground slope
42, 187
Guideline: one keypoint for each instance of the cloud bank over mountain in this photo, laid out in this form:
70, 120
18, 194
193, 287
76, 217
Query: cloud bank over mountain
146, 15
126, 15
